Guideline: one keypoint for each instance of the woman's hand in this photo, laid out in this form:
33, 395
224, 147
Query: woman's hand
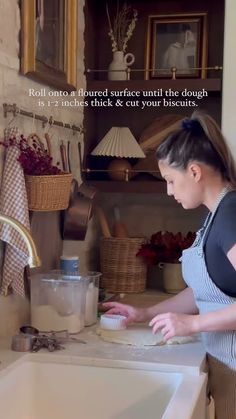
132, 314
174, 324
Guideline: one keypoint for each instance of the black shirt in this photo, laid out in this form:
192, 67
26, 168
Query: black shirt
220, 238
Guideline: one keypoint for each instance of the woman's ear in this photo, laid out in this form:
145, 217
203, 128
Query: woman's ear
195, 171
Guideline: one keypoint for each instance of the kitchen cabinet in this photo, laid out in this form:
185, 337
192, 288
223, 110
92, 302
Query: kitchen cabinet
98, 120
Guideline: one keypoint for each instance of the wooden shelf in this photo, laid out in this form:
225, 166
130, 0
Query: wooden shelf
100, 116
211, 84
110, 186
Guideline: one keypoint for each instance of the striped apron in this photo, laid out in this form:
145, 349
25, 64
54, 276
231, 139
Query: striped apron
220, 346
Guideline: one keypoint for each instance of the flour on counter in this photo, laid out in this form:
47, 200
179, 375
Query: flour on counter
140, 335
46, 318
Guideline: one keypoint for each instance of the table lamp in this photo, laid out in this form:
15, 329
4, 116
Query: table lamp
119, 142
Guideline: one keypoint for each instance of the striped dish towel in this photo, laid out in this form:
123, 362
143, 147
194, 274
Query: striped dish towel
13, 202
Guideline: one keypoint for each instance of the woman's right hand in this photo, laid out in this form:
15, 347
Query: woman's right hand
132, 314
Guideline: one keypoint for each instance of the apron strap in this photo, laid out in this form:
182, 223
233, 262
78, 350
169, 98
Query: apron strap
211, 215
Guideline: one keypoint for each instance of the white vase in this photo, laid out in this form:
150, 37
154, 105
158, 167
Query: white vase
172, 277
117, 69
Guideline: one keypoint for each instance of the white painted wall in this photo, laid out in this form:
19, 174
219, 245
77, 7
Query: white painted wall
229, 75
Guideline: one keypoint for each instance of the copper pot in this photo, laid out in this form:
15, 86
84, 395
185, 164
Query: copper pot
79, 212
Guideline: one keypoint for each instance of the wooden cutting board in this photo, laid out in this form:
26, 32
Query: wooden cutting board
154, 134
147, 165
149, 140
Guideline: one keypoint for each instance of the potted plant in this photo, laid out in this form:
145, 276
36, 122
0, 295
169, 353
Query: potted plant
164, 249
48, 188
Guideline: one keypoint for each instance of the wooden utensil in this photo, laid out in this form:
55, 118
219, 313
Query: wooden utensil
49, 145
103, 222
119, 228
63, 157
68, 156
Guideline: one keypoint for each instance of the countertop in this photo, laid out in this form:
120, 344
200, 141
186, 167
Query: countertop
189, 357
144, 299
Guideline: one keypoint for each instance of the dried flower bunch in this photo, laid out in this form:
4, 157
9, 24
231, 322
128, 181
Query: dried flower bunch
34, 158
123, 26
165, 247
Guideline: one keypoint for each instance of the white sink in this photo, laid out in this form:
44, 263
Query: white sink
43, 390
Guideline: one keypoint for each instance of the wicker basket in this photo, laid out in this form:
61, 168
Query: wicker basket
49, 192
122, 270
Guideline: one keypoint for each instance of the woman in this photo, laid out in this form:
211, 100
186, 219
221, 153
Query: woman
199, 169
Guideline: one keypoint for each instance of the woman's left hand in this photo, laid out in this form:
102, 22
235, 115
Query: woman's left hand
174, 324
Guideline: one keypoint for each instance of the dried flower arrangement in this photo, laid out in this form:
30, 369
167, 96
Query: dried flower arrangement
34, 158
123, 26
165, 247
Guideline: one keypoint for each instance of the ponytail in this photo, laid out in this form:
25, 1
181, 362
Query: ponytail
199, 138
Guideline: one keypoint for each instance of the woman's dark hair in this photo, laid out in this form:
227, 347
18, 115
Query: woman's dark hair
198, 139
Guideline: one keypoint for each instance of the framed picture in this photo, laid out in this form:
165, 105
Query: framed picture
176, 42
49, 42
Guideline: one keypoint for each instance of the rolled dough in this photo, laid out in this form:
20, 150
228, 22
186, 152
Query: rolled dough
139, 335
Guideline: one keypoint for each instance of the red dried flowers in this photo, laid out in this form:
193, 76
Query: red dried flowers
165, 247
34, 158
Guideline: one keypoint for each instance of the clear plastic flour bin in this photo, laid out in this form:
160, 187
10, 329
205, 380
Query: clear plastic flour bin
58, 301
92, 294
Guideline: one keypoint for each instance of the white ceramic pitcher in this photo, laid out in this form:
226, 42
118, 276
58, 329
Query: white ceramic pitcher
117, 69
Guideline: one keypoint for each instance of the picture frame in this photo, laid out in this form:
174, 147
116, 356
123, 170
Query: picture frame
49, 42
176, 43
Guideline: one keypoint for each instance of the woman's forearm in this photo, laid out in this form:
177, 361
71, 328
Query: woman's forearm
224, 319
181, 303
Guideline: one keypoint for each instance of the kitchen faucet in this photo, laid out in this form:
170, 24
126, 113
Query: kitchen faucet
34, 259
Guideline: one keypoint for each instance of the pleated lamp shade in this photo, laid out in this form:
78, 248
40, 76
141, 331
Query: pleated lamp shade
118, 142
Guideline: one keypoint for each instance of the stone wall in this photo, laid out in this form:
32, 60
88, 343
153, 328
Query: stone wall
14, 88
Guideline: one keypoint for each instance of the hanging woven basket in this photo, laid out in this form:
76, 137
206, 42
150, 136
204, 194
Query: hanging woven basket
48, 192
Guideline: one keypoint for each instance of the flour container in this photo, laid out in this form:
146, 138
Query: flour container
92, 294
58, 303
